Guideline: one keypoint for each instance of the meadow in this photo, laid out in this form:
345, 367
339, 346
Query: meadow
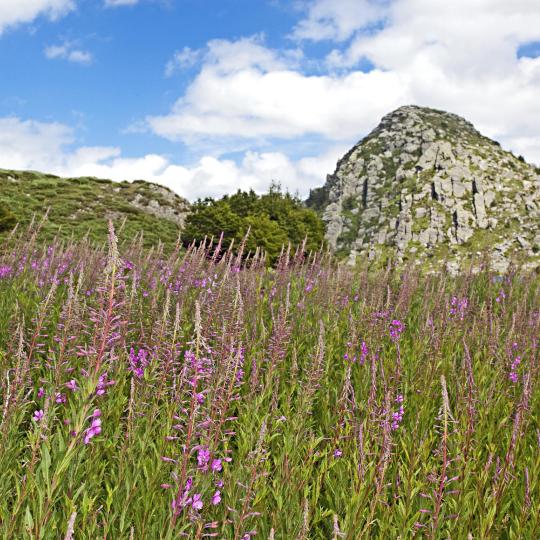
200, 393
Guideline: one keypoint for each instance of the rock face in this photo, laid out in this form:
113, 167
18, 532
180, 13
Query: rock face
425, 185
161, 202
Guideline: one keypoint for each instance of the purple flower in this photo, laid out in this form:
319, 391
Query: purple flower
102, 384
95, 427
138, 362
216, 497
203, 457
197, 503
41, 392
72, 385
60, 398
396, 328
38, 415
363, 352
216, 465
337, 453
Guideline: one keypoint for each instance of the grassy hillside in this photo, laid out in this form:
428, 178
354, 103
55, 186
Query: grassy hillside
80, 206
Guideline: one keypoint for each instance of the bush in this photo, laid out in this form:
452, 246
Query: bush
273, 219
7, 219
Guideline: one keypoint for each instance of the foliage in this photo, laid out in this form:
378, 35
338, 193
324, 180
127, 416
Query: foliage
7, 219
77, 207
184, 396
273, 220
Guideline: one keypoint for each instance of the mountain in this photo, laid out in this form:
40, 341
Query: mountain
426, 186
84, 205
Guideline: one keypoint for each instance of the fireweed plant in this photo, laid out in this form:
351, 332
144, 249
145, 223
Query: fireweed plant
201, 394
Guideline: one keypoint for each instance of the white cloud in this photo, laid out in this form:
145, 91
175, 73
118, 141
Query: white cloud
48, 147
67, 51
339, 19
246, 90
459, 56
183, 59
32, 145
13, 12
118, 3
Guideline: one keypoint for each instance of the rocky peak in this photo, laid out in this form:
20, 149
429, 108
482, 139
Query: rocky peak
425, 185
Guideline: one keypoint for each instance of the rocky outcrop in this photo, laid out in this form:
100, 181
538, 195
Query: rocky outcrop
426, 186
161, 202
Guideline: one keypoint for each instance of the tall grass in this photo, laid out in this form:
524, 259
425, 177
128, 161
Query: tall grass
201, 394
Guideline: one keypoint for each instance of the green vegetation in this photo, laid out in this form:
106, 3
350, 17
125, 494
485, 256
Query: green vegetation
150, 397
78, 207
273, 219
7, 219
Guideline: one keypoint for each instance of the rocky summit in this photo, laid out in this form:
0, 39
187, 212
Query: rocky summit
426, 187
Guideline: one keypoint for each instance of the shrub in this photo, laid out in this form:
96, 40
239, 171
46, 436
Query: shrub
272, 219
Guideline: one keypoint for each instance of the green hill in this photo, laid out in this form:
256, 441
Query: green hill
80, 206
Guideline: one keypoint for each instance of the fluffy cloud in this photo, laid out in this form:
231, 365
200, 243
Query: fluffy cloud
13, 12
49, 147
459, 56
68, 51
339, 19
246, 90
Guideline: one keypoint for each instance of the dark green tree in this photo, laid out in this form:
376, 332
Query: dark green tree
273, 220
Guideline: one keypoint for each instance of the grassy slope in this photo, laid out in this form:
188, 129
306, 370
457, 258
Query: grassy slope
78, 206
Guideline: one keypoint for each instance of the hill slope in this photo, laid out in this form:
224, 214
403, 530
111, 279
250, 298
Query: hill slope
426, 185
84, 205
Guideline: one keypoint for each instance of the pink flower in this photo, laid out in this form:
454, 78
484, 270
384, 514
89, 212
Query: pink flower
197, 503
216, 465
38, 415
72, 385
216, 497
203, 457
60, 398
95, 427
41, 392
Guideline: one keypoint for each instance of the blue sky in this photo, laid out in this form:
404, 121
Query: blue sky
206, 96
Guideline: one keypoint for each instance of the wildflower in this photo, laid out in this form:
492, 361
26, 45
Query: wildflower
216, 465
337, 453
197, 503
41, 392
102, 384
38, 415
60, 398
203, 457
397, 418
219, 483
138, 362
513, 375
396, 328
95, 427
72, 385
363, 352
216, 497
458, 307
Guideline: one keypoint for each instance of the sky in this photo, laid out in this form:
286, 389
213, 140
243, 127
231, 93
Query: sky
208, 96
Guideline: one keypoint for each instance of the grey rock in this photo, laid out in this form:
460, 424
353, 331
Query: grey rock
425, 178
